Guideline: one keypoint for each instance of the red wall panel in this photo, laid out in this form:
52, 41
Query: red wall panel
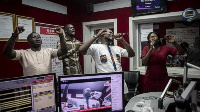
10, 68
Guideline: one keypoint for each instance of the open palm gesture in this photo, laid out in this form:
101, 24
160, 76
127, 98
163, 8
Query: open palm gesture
169, 39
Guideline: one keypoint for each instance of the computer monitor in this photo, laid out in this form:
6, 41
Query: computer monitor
145, 7
92, 92
28, 94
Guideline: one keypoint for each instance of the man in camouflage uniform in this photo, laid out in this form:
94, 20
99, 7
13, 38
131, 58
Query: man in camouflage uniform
70, 60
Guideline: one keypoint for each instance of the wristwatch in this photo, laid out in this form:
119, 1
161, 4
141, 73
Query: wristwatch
14, 35
95, 36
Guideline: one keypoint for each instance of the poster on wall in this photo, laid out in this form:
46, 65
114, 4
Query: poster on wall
181, 35
184, 34
50, 40
145, 29
29, 26
6, 25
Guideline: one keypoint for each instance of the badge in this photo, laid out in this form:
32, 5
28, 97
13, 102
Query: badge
103, 58
118, 57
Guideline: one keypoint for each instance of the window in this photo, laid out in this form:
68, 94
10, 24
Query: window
134, 23
183, 34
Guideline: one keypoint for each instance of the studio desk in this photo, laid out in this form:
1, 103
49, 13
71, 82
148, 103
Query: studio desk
150, 101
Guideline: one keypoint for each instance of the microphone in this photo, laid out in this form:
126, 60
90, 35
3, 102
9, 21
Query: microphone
119, 35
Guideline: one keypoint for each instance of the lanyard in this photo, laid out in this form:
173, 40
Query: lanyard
114, 65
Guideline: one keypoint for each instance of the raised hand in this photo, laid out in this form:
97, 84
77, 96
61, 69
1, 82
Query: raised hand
101, 32
152, 43
59, 31
119, 37
77, 46
19, 29
169, 39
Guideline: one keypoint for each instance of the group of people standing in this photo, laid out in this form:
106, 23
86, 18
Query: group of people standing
107, 56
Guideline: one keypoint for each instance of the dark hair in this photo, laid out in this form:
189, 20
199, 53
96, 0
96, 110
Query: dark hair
196, 42
185, 46
197, 39
157, 35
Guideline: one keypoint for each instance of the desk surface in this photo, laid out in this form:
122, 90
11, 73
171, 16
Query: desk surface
192, 73
152, 98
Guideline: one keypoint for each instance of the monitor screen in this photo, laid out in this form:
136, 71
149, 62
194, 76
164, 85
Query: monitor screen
92, 92
144, 7
28, 94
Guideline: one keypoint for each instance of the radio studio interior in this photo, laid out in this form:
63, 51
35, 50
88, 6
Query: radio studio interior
100, 56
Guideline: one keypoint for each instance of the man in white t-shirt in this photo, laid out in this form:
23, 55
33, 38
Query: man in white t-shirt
107, 56
35, 60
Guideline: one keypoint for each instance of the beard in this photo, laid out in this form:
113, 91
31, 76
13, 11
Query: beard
110, 41
71, 34
108, 37
35, 45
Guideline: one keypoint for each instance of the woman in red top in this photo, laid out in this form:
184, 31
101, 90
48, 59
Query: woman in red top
154, 57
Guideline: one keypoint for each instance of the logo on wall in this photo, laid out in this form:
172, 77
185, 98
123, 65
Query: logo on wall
189, 14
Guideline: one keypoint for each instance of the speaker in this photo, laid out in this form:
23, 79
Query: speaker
90, 8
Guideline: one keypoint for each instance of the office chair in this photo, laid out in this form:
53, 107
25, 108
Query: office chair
132, 81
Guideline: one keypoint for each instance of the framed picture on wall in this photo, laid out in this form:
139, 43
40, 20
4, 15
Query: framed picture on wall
29, 26
7, 25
